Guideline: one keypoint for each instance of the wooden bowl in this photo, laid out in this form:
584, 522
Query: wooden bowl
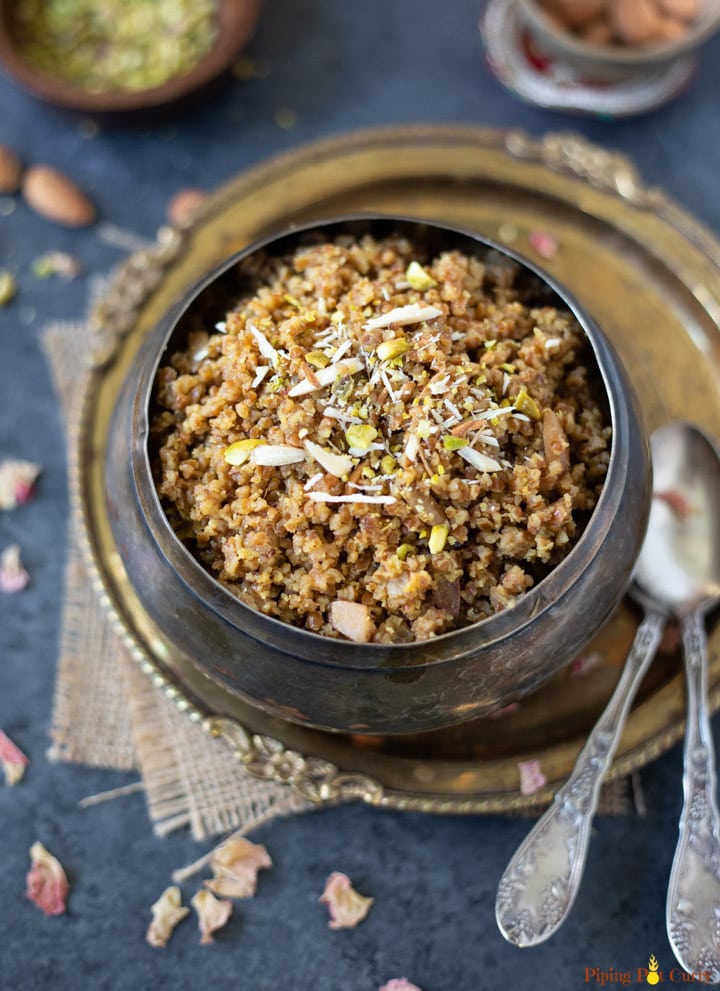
237, 19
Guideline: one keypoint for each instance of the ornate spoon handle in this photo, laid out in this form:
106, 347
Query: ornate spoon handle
539, 885
693, 902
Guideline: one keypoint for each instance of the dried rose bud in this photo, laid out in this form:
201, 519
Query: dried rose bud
399, 984
17, 479
212, 912
507, 710
13, 577
47, 885
583, 664
235, 864
184, 206
532, 778
543, 243
13, 760
346, 906
167, 912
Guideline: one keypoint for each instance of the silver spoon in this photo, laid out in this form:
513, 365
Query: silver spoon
682, 571
539, 886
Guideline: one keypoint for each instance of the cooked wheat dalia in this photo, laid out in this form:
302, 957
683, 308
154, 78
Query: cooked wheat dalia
377, 445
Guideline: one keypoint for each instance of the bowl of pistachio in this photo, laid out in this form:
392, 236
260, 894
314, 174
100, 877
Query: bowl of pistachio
109, 56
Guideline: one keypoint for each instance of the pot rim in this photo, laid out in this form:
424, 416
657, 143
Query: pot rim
546, 595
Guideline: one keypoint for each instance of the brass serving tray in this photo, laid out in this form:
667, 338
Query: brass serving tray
646, 270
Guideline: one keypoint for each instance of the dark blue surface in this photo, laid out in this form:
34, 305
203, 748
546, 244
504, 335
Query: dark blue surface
337, 66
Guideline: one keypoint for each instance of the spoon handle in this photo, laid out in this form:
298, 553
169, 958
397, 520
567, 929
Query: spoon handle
541, 881
693, 902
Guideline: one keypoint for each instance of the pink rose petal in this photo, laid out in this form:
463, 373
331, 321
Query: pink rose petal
17, 479
532, 778
13, 577
47, 885
346, 906
677, 502
507, 710
167, 912
212, 912
13, 760
399, 984
585, 663
235, 864
543, 243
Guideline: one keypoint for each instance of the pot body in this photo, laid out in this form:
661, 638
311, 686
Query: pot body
372, 688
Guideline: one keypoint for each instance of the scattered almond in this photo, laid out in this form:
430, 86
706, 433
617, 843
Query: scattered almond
57, 198
10, 170
184, 206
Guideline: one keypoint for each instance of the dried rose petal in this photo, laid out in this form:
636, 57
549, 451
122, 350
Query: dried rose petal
13, 760
212, 912
167, 912
399, 984
585, 663
16, 482
543, 243
507, 710
346, 906
532, 778
671, 639
13, 577
47, 885
235, 864
677, 502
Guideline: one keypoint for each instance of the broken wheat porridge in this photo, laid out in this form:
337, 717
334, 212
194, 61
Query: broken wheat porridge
377, 445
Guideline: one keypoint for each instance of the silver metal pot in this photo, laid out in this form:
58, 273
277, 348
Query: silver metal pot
376, 688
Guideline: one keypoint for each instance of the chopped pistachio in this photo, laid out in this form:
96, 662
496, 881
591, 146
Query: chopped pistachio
367, 472
318, 359
527, 405
238, 453
454, 443
392, 349
508, 367
388, 464
438, 537
403, 551
292, 301
115, 45
8, 287
418, 278
424, 429
360, 435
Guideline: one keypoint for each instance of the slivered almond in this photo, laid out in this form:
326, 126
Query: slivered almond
326, 376
338, 465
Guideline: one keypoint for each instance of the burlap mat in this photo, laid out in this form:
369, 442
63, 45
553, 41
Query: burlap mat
106, 711
108, 714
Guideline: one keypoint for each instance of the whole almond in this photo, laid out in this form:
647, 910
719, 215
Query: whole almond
596, 32
672, 30
680, 10
634, 22
575, 13
10, 170
57, 198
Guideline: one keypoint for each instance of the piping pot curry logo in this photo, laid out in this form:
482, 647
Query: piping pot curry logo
652, 975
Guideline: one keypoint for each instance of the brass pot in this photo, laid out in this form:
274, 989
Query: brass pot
376, 688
